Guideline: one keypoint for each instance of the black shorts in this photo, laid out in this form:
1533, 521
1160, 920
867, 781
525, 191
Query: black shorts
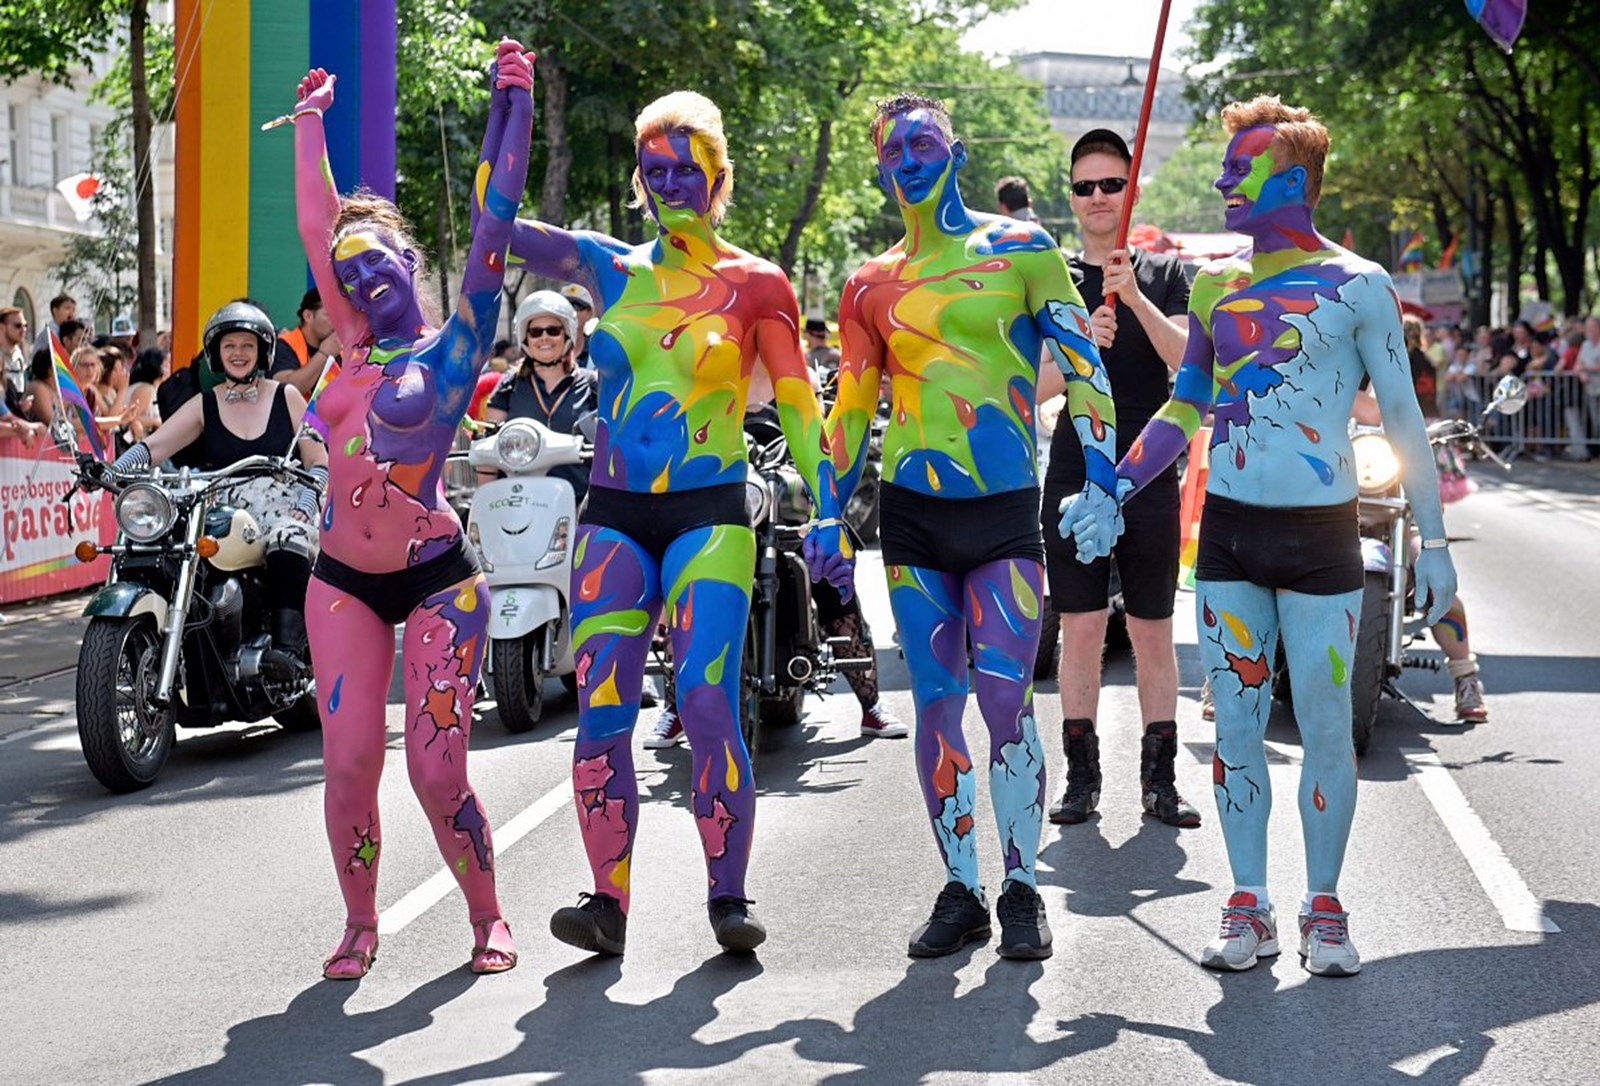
1146, 554
957, 535
392, 596
654, 521
1311, 549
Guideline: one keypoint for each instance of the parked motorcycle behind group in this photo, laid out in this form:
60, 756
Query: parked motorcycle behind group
180, 632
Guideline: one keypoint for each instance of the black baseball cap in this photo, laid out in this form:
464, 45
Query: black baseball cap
818, 325
1101, 136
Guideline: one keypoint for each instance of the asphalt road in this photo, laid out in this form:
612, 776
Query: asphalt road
176, 935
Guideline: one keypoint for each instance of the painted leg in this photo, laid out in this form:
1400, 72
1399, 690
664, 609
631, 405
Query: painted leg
928, 613
706, 575
616, 600
1238, 636
352, 650
1003, 616
1319, 642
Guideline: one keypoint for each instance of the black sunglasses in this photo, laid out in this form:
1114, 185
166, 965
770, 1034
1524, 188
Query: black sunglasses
1108, 185
535, 333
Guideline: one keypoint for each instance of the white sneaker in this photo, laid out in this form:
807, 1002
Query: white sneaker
1325, 946
1248, 934
667, 732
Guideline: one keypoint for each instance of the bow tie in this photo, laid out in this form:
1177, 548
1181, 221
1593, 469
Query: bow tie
247, 393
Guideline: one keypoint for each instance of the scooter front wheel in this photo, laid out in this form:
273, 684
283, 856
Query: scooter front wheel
518, 681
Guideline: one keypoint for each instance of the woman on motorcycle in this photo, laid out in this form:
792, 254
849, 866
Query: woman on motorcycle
547, 387
392, 547
238, 342
685, 318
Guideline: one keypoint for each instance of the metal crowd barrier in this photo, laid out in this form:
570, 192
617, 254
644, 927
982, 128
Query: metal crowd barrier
1562, 418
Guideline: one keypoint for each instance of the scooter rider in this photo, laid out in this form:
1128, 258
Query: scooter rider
547, 387
238, 343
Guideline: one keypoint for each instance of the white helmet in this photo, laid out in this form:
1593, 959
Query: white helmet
545, 303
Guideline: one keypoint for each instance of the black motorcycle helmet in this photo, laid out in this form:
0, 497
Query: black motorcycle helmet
239, 317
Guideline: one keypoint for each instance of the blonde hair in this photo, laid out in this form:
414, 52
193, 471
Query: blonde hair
686, 113
365, 212
1411, 327
1300, 139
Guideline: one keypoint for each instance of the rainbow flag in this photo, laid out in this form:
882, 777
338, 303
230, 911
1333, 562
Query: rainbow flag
1411, 255
236, 66
1193, 505
330, 370
1500, 19
1447, 259
68, 392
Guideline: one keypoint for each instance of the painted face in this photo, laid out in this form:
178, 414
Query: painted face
376, 279
914, 157
238, 352
678, 176
1251, 183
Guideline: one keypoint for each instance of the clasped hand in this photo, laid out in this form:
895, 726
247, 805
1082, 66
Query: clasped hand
829, 555
1093, 518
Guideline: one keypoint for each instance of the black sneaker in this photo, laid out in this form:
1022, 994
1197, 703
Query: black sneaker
959, 917
1082, 796
1024, 932
596, 924
736, 926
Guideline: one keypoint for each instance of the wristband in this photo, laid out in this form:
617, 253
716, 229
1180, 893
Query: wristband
830, 522
286, 118
1435, 544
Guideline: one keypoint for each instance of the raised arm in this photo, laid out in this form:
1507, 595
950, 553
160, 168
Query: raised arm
316, 200
1381, 344
468, 336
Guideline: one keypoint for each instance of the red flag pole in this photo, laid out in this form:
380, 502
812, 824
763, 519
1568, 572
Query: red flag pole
1139, 133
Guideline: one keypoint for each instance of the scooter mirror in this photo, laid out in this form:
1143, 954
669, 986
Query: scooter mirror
587, 425
1510, 395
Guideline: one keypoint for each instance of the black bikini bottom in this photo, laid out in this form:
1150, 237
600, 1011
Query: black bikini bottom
394, 595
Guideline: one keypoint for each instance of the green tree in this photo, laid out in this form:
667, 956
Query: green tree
1180, 196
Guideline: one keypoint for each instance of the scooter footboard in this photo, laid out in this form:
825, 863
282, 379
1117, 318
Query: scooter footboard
518, 610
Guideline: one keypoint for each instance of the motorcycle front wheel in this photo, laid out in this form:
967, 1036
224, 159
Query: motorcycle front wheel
518, 682
125, 739
750, 692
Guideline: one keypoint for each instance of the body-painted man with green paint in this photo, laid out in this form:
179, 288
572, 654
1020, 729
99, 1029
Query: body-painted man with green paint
957, 315
1280, 337
686, 324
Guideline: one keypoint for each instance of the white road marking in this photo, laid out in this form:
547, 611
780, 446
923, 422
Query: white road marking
442, 882
1517, 906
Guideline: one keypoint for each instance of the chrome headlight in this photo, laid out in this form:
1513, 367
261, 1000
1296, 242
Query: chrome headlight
1377, 467
518, 444
145, 513
757, 499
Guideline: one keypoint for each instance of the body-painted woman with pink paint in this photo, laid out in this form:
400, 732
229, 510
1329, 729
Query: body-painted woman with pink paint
392, 548
685, 320
1281, 336
958, 314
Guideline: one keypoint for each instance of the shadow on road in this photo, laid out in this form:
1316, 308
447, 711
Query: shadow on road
1424, 1017
314, 1040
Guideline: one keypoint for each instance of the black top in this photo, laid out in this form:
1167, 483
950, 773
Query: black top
1140, 381
559, 410
219, 446
1425, 379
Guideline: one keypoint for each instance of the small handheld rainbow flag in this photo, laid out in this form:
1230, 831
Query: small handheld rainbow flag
68, 392
1411, 255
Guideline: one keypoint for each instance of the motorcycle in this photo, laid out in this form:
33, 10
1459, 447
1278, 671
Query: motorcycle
523, 525
1390, 625
178, 633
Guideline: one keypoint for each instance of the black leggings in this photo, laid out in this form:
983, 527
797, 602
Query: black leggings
288, 573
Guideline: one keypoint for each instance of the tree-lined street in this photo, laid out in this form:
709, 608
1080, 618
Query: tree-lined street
175, 935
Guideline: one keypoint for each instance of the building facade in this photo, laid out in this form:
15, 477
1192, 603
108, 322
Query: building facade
1084, 92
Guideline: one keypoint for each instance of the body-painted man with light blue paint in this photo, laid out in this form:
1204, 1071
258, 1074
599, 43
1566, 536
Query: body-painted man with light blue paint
1280, 337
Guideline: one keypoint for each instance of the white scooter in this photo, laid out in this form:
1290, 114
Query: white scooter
523, 526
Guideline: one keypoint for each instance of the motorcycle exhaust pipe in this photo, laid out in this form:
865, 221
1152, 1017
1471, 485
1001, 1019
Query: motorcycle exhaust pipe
799, 668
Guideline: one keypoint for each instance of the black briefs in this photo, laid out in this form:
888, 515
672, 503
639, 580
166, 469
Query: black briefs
1311, 549
392, 596
957, 535
654, 521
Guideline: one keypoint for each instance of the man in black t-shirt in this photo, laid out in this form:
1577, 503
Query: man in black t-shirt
1141, 340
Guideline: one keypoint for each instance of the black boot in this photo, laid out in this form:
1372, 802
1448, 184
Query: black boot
287, 659
1083, 773
1158, 777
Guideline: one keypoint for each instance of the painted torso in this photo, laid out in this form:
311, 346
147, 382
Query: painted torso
675, 351
389, 429
962, 355
1287, 370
